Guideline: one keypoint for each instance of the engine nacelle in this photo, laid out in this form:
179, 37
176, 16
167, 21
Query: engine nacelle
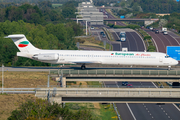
49, 56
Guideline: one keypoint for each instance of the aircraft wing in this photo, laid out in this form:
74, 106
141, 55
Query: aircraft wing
86, 62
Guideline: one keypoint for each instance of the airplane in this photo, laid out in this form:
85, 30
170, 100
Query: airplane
82, 57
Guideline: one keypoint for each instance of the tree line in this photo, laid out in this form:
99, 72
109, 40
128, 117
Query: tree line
42, 13
159, 6
43, 35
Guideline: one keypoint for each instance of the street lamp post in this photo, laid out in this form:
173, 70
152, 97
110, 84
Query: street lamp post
2, 77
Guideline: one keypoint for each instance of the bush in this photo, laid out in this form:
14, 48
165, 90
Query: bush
133, 26
151, 48
147, 37
118, 26
110, 24
43, 110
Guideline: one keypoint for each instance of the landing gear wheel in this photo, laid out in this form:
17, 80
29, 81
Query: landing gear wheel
83, 67
169, 67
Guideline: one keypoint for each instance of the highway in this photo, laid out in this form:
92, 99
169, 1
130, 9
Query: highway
161, 41
112, 17
138, 111
133, 42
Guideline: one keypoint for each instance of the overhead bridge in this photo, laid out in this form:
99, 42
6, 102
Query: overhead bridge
118, 75
109, 95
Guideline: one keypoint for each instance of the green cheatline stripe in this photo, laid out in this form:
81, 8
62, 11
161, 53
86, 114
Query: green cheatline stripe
24, 42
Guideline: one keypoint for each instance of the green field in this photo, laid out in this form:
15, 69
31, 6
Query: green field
98, 110
56, 5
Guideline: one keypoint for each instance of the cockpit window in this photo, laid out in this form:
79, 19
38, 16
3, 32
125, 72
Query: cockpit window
167, 56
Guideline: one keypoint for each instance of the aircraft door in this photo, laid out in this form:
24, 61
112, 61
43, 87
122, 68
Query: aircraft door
160, 59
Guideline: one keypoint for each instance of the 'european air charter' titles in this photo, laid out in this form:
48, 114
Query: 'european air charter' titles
130, 54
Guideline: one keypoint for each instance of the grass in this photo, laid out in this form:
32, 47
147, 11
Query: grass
161, 83
99, 111
56, 5
107, 112
91, 41
25, 79
10, 102
93, 83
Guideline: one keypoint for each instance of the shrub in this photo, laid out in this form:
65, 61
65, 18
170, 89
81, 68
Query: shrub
110, 24
147, 37
43, 110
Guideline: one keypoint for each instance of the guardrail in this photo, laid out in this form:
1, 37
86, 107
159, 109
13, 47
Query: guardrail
111, 92
119, 72
18, 90
107, 86
115, 108
108, 34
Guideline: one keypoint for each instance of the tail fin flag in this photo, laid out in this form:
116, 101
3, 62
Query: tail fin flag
22, 43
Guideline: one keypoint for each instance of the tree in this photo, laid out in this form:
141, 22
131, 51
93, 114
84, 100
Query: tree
42, 109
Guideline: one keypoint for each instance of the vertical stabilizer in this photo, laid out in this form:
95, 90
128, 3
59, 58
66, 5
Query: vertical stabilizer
22, 43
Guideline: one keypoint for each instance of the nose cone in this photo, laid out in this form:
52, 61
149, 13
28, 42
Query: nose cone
175, 62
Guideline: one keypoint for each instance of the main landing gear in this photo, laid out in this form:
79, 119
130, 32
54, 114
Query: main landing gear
169, 67
83, 67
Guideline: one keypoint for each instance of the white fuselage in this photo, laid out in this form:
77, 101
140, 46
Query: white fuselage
102, 57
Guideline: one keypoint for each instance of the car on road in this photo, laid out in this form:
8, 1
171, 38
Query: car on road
151, 28
148, 27
165, 32
157, 31
92, 28
130, 86
104, 35
124, 83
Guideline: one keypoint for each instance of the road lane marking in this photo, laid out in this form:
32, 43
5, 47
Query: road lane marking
116, 84
154, 42
154, 85
119, 39
176, 107
98, 35
135, 41
175, 38
142, 41
130, 111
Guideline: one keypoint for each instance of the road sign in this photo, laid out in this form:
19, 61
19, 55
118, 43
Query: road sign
174, 52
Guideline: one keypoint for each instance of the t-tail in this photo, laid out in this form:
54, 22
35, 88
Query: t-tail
22, 43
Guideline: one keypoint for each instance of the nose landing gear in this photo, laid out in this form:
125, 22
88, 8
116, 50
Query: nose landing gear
83, 67
169, 67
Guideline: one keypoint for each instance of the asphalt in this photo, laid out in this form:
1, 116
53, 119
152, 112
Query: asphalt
144, 111
112, 17
162, 41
